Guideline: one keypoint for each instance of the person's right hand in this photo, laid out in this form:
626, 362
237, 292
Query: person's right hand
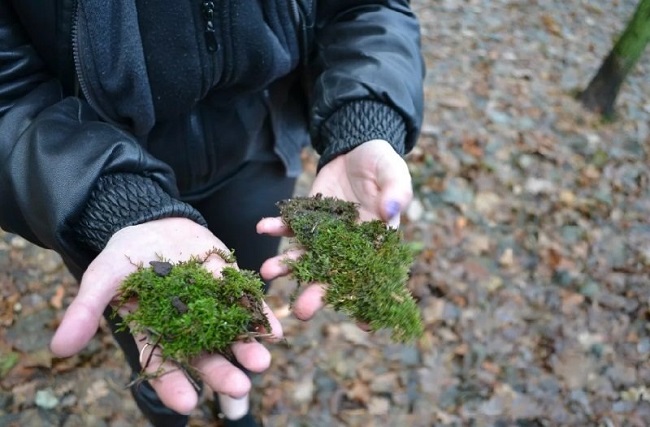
375, 177
175, 239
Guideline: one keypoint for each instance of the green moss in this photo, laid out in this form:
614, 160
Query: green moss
365, 264
187, 311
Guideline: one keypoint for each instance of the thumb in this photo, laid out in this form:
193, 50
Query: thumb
396, 191
82, 317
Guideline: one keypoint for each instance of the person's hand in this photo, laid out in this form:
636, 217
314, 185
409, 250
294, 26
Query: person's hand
176, 239
372, 175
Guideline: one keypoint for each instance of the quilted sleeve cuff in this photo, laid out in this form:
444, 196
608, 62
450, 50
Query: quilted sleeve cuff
358, 122
122, 200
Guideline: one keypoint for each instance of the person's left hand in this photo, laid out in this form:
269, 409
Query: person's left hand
372, 175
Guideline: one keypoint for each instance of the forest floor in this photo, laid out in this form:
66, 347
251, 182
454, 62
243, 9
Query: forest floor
533, 217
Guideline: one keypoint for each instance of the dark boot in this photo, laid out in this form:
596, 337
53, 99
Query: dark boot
153, 409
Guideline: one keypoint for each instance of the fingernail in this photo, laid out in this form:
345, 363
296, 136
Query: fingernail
393, 208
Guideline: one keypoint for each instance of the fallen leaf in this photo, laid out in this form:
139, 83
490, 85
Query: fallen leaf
352, 333
554, 258
271, 398
491, 367
507, 259
41, 358
65, 364
461, 350
7, 310
304, 389
473, 147
359, 392
567, 197
455, 102
379, 406
7, 362
551, 25
57, 299
433, 311
96, 391
384, 383
570, 300
24, 392
461, 224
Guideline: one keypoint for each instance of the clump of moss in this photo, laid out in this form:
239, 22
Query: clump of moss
365, 264
187, 311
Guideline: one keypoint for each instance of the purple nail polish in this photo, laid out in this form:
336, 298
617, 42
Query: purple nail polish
392, 208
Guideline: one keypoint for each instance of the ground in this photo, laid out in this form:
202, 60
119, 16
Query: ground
533, 276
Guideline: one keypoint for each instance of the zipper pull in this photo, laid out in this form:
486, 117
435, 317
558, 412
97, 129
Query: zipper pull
208, 16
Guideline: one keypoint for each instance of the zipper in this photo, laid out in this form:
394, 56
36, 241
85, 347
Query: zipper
207, 11
295, 11
304, 25
81, 86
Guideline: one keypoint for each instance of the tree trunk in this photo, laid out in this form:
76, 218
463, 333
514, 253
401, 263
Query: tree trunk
601, 93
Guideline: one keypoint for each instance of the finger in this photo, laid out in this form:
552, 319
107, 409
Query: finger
252, 355
82, 317
170, 382
394, 181
225, 378
273, 227
277, 266
276, 327
222, 376
309, 301
214, 263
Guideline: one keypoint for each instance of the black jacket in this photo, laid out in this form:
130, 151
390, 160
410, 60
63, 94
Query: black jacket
112, 113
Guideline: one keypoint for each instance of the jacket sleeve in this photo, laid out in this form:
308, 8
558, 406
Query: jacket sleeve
366, 75
63, 172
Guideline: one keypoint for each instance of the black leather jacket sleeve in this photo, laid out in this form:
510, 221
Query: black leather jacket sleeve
367, 74
53, 151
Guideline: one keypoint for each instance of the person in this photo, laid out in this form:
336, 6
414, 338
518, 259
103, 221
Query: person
130, 130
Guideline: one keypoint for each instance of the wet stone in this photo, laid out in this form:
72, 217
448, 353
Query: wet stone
448, 398
37, 418
643, 346
405, 355
6, 399
458, 192
46, 399
623, 406
26, 334
9, 419
324, 382
76, 420
590, 289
